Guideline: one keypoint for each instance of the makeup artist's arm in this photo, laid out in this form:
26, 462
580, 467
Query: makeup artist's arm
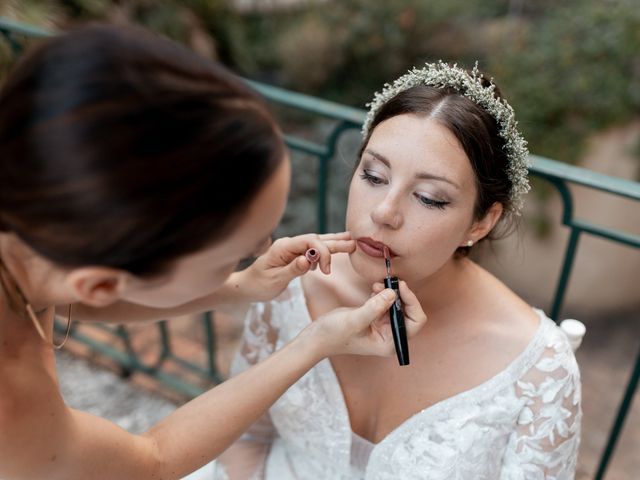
265, 279
43, 438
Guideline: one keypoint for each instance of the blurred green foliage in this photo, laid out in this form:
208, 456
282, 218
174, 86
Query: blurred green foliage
572, 72
568, 67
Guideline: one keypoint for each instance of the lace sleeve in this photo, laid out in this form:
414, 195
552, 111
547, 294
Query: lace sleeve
545, 442
244, 460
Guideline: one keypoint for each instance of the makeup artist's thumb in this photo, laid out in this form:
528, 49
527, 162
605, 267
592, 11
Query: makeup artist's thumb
299, 266
375, 307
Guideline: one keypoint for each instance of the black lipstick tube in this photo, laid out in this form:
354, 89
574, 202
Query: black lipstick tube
396, 316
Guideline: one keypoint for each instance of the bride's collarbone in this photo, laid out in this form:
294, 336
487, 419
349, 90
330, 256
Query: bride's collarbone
458, 349
380, 395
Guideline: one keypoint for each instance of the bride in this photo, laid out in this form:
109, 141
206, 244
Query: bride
492, 390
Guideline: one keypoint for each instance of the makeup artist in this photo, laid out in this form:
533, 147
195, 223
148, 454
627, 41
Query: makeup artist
134, 175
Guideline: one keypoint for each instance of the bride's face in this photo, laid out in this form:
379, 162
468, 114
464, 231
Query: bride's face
414, 191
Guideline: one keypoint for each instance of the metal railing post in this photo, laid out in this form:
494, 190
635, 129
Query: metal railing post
623, 411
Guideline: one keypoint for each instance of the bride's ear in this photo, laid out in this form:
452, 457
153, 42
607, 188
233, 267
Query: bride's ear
481, 228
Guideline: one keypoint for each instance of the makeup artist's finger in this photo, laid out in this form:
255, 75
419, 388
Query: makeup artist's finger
298, 267
334, 246
338, 246
382, 330
335, 236
294, 246
412, 310
383, 327
325, 255
325, 244
377, 287
314, 241
290, 248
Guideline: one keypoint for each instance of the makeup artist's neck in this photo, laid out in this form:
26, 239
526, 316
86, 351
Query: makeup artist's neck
26, 271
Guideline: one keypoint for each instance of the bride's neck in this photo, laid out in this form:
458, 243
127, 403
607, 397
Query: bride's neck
435, 292
446, 286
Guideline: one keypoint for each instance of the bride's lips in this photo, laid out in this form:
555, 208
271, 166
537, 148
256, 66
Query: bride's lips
372, 247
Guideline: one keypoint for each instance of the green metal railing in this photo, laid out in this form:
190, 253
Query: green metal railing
559, 175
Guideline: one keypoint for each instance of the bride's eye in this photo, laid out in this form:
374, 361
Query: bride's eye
368, 176
430, 203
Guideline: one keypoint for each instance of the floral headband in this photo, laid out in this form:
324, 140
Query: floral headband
441, 75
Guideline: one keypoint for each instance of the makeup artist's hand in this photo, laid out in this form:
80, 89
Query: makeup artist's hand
272, 271
365, 330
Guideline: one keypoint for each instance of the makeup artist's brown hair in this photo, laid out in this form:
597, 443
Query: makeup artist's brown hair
124, 149
477, 132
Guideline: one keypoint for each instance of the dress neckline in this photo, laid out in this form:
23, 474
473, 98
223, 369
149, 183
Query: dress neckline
521, 363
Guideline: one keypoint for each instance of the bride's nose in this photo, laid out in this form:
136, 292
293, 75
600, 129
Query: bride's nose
387, 212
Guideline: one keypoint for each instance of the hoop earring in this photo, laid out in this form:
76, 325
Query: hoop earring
469, 243
66, 333
29, 309
36, 323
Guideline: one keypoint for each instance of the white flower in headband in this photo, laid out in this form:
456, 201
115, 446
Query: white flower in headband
443, 75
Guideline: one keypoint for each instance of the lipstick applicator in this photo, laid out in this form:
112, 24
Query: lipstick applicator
313, 257
396, 315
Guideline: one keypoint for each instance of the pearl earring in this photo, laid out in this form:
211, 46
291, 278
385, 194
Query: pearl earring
470, 243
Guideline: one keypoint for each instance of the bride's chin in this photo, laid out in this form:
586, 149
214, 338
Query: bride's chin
367, 268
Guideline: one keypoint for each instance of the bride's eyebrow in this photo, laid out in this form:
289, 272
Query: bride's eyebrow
420, 175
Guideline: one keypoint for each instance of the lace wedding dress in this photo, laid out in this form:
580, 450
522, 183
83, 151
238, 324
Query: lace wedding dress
523, 423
